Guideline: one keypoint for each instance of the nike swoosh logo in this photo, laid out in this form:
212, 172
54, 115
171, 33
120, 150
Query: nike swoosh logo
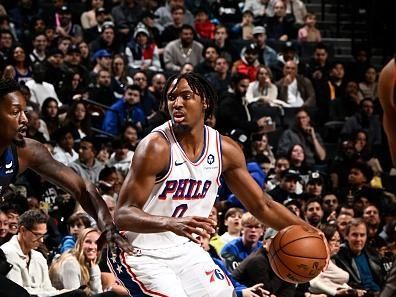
9, 165
179, 163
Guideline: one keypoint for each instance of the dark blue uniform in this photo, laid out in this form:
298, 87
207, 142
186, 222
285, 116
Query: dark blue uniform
9, 167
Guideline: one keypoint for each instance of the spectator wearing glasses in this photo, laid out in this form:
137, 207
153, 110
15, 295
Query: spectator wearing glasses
333, 281
238, 249
29, 267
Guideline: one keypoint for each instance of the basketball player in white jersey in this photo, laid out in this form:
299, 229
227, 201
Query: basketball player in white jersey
169, 192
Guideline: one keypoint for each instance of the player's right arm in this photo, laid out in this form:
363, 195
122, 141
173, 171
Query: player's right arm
240, 182
151, 158
386, 85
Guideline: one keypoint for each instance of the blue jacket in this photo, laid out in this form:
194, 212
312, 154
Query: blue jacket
68, 242
235, 252
258, 175
121, 112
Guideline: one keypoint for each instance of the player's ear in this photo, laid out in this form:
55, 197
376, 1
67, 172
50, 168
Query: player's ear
205, 104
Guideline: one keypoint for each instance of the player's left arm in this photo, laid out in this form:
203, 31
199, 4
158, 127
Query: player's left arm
36, 157
259, 203
386, 84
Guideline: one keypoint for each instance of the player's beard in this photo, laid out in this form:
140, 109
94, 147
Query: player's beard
181, 128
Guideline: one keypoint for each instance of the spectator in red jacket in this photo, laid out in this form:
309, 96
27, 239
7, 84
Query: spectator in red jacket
248, 64
203, 26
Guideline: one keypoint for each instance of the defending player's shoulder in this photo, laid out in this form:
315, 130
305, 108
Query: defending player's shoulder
233, 156
386, 84
33, 152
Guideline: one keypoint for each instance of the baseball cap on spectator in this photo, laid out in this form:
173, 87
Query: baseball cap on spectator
148, 14
101, 54
258, 30
73, 49
315, 178
251, 48
290, 174
64, 10
100, 10
140, 29
107, 24
288, 46
239, 135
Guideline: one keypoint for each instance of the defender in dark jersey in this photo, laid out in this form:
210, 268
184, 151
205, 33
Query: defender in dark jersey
387, 96
18, 153
8, 166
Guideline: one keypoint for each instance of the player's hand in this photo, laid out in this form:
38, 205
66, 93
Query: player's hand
327, 249
321, 234
190, 226
113, 239
256, 291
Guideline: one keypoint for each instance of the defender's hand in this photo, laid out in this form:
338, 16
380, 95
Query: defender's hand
256, 291
188, 226
113, 239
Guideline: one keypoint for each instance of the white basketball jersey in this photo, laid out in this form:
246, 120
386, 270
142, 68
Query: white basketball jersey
187, 189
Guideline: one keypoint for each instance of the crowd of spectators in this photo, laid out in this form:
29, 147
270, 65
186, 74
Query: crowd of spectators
310, 126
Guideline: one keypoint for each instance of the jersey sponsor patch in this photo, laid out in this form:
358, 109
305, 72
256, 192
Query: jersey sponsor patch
210, 159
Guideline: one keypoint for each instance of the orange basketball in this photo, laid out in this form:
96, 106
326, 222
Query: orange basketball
297, 254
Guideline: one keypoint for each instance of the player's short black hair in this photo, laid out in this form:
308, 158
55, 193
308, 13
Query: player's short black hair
8, 86
198, 84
